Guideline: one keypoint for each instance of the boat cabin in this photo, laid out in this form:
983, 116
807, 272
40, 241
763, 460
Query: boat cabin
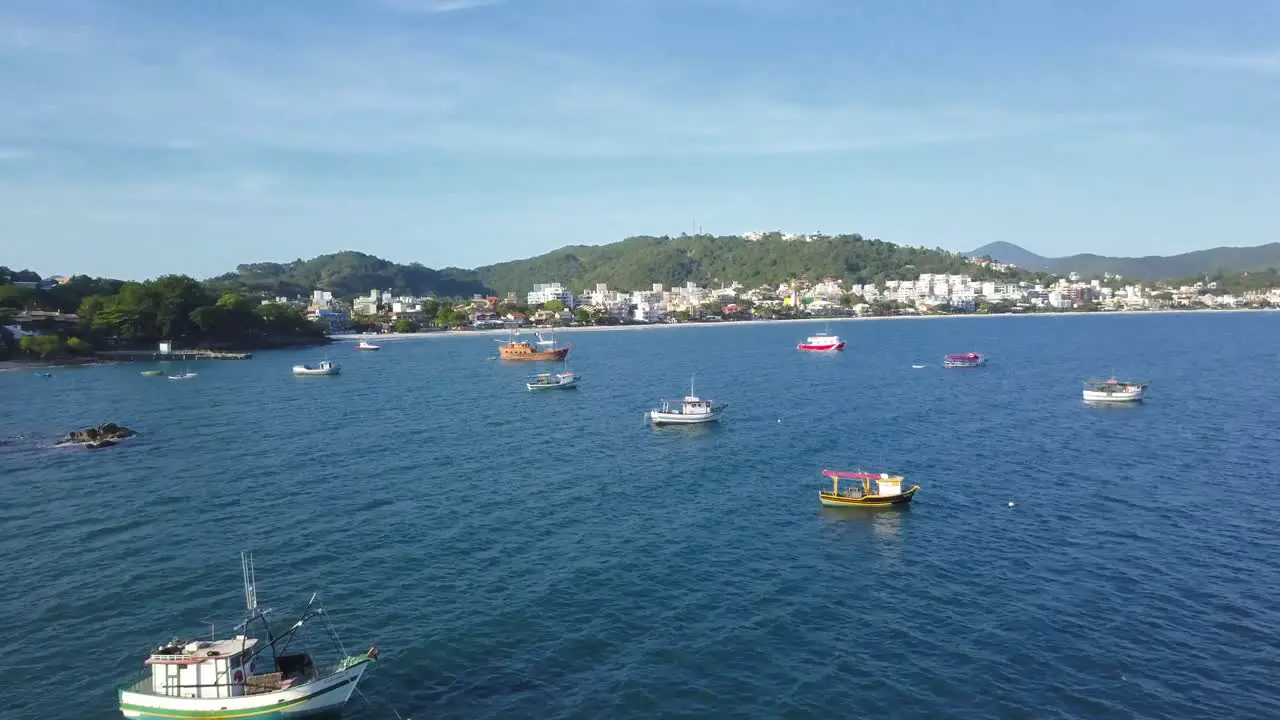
690, 405
885, 485
203, 668
822, 340
1113, 386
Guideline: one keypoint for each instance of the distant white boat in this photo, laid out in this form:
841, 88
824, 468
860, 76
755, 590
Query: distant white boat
366, 345
183, 376
1113, 391
692, 410
917, 366
553, 381
326, 367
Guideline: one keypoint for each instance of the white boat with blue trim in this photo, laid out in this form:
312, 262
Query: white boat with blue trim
553, 381
325, 367
1114, 391
244, 677
692, 410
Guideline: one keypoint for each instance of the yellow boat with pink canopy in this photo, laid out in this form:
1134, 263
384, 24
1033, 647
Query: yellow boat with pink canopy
865, 490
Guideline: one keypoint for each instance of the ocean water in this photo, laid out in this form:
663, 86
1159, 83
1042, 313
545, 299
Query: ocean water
549, 555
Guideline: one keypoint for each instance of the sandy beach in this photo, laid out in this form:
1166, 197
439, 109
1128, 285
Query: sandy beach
345, 337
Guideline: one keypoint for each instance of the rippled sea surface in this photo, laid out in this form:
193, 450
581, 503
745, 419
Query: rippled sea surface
549, 555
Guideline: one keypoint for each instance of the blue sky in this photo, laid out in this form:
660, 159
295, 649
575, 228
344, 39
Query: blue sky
139, 137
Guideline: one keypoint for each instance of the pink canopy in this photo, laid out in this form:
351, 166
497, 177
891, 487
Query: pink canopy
850, 475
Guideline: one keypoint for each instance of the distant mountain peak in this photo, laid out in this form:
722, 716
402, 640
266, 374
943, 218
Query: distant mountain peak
1008, 252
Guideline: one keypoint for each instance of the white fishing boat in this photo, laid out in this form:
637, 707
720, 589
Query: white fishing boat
366, 345
692, 410
185, 375
325, 367
243, 676
1114, 391
553, 381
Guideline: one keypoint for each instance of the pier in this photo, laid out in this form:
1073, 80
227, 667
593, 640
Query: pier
176, 355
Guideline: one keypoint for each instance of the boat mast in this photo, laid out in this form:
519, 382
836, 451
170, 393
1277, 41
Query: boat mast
250, 583
251, 601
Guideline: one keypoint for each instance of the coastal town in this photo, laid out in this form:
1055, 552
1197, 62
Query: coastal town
990, 288
553, 304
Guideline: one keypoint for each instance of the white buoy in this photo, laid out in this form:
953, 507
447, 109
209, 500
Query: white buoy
1010, 503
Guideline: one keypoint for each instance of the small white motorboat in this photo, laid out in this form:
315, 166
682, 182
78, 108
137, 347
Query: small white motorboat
692, 410
366, 345
325, 367
553, 381
183, 376
1114, 391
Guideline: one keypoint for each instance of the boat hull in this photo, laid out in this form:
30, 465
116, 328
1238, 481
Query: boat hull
558, 386
963, 363
660, 418
303, 372
323, 696
1094, 396
902, 498
368, 349
821, 348
533, 356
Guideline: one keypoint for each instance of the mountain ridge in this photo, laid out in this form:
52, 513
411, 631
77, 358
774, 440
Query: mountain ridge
635, 263
1147, 267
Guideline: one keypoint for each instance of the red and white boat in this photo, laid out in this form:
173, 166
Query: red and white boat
822, 343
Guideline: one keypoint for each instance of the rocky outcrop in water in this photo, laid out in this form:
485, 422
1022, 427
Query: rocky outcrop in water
104, 435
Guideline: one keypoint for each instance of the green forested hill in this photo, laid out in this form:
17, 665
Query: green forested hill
348, 274
632, 264
636, 263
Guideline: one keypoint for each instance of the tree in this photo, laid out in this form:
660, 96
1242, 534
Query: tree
43, 345
553, 305
405, 325
176, 296
17, 298
280, 320
76, 346
444, 316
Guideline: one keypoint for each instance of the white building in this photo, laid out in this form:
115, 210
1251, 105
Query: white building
547, 292
648, 312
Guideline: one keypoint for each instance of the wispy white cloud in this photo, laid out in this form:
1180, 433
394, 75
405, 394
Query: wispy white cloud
387, 91
435, 7
1258, 61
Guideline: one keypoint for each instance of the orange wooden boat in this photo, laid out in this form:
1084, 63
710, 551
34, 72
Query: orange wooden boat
518, 350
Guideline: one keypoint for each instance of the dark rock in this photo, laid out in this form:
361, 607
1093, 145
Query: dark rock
104, 435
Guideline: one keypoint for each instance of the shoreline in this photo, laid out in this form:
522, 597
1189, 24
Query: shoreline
355, 337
